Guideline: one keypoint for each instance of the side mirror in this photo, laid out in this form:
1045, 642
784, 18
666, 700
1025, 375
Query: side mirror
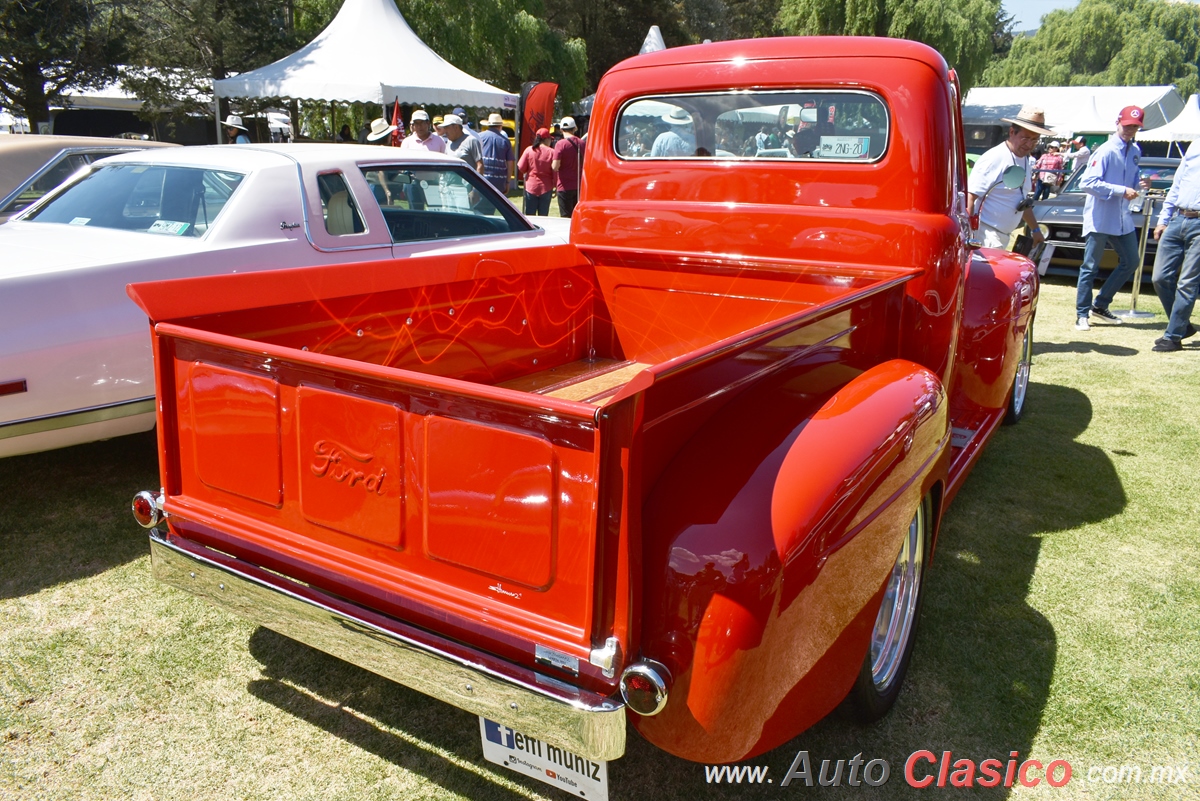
1013, 177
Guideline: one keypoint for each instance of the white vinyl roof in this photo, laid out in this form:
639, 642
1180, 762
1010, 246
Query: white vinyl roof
367, 54
1184, 128
1073, 109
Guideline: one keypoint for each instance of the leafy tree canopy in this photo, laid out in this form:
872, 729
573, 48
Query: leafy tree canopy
48, 46
965, 32
1107, 43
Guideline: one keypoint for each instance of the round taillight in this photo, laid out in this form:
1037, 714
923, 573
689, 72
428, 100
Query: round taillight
145, 509
644, 687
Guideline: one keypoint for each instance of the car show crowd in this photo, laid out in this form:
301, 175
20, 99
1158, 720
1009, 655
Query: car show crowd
1030, 165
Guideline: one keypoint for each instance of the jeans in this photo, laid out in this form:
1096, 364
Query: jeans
1126, 246
1177, 273
537, 205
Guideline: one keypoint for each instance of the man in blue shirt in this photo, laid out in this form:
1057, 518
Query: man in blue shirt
1178, 235
498, 160
1109, 181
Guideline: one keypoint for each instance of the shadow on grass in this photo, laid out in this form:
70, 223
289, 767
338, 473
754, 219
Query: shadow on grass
58, 518
299, 679
977, 686
1040, 348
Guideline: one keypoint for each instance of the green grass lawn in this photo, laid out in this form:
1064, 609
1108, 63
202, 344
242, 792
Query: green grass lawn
1062, 621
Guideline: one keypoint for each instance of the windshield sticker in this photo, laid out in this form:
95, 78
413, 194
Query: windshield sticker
845, 147
139, 169
168, 227
80, 221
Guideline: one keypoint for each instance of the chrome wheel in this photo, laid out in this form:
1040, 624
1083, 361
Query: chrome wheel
1016, 404
898, 614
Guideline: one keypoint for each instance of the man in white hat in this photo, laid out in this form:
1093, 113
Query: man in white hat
999, 214
423, 137
235, 130
499, 163
459, 144
380, 128
677, 140
568, 167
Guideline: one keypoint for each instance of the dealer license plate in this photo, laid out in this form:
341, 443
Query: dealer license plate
555, 766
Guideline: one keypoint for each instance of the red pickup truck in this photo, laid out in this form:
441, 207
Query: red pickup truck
685, 472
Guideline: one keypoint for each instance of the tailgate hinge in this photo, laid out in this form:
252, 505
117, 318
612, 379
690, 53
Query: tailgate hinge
604, 658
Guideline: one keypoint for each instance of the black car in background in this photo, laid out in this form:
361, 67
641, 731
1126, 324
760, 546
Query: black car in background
1062, 214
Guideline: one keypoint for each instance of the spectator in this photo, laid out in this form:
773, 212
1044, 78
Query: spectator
467, 129
499, 164
423, 137
1109, 180
677, 139
568, 167
1049, 168
1177, 263
1079, 153
1000, 209
235, 130
537, 169
345, 135
380, 128
458, 143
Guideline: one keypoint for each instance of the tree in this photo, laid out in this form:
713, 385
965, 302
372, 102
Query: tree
615, 29
184, 45
504, 42
1107, 43
966, 32
49, 46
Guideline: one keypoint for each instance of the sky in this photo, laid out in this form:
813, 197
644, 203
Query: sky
1028, 13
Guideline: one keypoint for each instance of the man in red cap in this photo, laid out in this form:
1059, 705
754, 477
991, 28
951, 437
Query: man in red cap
1110, 182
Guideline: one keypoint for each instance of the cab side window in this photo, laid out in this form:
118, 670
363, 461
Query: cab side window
342, 217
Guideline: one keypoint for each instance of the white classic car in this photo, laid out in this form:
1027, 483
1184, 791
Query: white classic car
75, 363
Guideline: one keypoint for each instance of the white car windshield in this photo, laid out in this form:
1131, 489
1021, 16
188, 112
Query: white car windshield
153, 199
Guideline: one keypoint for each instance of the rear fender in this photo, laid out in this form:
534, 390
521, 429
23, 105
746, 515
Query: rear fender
768, 541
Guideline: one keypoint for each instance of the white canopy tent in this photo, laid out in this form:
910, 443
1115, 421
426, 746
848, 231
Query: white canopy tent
367, 54
1073, 109
1184, 128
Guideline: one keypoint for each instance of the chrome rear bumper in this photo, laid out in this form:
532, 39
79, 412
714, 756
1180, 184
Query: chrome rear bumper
588, 724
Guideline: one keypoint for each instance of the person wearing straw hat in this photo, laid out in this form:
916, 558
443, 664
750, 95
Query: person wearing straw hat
235, 130
1000, 212
380, 128
677, 139
1110, 181
499, 163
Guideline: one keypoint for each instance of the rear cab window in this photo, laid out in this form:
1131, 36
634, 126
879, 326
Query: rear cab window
437, 201
812, 125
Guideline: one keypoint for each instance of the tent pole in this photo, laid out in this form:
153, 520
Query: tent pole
217, 111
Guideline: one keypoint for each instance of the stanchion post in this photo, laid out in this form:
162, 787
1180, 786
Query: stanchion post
1148, 201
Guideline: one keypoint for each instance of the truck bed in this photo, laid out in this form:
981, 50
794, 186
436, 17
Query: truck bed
465, 455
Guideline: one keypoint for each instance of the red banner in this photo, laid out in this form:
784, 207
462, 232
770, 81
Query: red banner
537, 111
398, 121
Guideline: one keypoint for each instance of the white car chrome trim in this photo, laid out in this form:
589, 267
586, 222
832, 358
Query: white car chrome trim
78, 417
